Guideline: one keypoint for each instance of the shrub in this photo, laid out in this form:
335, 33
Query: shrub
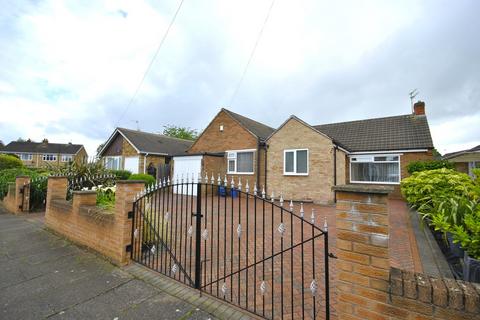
417, 166
9, 175
9, 162
425, 187
106, 197
148, 179
468, 233
121, 174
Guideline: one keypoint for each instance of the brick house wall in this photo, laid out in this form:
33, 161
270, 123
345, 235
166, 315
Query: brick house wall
317, 185
461, 167
233, 137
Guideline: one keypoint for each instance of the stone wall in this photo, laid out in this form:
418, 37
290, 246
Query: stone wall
81, 221
367, 287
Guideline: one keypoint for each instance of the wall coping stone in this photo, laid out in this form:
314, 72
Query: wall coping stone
84, 192
23, 176
57, 177
129, 181
362, 188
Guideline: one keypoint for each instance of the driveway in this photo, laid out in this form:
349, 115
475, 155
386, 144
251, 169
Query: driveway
43, 276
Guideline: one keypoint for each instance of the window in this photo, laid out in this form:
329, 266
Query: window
49, 157
375, 169
473, 165
67, 158
113, 163
295, 162
25, 156
240, 162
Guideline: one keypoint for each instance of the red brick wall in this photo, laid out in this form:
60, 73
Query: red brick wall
367, 288
81, 221
233, 137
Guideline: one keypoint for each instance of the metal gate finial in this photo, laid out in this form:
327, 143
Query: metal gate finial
302, 212
313, 216
247, 187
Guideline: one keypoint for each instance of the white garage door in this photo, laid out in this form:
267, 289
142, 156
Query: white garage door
187, 166
131, 164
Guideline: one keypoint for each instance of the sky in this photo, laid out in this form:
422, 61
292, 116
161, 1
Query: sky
70, 68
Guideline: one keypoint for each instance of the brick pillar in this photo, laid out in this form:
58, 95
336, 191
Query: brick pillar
56, 189
20, 182
362, 250
126, 191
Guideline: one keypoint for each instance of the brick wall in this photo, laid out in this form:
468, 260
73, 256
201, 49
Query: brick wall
461, 167
82, 222
14, 200
367, 288
233, 137
317, 185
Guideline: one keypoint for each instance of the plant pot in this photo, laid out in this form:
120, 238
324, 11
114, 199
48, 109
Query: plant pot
471, 269
455, 248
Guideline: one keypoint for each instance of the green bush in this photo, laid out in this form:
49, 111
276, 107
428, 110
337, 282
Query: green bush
106, 198
417, 166
9, 175
121, 174
148, 179
468, 233
424, 187
9, 162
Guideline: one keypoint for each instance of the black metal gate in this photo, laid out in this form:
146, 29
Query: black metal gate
230, 241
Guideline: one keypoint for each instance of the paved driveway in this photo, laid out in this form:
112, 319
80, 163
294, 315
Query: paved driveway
43, 276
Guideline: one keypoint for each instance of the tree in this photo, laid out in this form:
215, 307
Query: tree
180, 132
99, 148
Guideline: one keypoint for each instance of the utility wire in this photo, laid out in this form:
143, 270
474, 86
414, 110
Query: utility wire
237, 88
150, 64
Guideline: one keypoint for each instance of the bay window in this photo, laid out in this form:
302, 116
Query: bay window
375, 169
240, 162
295, 162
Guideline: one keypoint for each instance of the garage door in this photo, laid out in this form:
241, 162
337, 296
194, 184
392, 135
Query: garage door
131, 164
187, 166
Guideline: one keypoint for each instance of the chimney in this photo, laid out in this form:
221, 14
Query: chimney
45, 141
419, 108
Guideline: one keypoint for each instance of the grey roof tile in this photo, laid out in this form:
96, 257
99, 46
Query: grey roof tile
379, 134
148, 142
261, 130
40, 147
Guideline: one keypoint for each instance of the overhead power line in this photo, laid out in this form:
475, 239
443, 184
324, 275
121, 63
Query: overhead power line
130, 102
259, 36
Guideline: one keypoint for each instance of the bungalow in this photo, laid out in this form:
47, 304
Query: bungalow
45, 153
304, 162
231, 144
466, 160
135, 150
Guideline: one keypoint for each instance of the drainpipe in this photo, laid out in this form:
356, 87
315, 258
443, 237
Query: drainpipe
335, 147
145, 163
259, 145
265, 147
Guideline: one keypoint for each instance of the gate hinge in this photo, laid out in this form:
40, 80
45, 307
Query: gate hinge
128, 248
130, 214
331, 255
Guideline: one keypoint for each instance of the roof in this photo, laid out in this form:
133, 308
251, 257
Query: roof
260, 130
146, 142
458, 153
41, 147
381, 134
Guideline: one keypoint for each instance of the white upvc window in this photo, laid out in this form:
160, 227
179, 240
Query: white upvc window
375, 169
473, 165
49, 157
240, 161
295, 162
113, 163
67, 158
25, 156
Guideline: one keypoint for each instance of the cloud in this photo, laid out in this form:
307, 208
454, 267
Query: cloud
69, 69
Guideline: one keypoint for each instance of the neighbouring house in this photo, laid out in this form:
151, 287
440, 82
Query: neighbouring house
304, 162
466, 160
1, 145
231, 145
45, 153
136, 151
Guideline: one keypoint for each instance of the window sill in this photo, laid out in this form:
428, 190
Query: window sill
374, 182
296, 174
242, 173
